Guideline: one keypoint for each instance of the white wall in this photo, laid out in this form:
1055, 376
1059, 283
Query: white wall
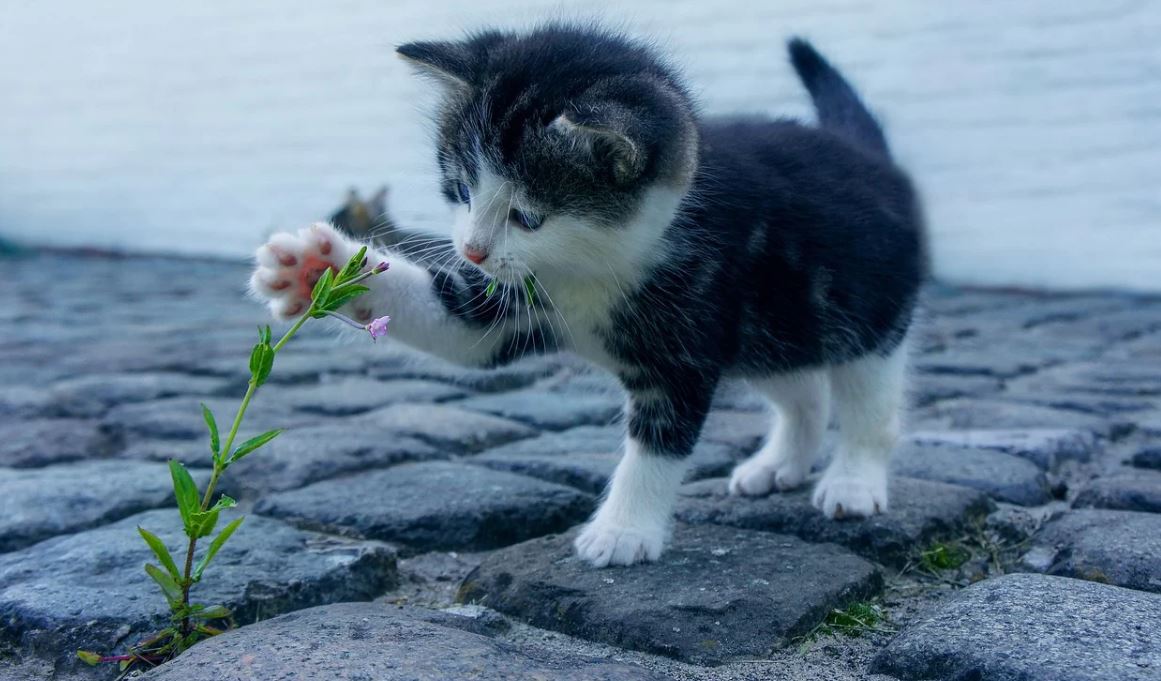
1034, 126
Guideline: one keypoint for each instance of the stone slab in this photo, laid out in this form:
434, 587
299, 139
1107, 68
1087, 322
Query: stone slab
1003, 477
433, 505
548, 410
38, 503
1045, 447
456, 431
40, 442
716, 594
921, 512
89, 591
373, 642
1031, 628
1112, 547
1134, 490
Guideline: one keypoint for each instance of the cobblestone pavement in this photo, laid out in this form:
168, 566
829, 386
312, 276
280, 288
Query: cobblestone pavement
414, 521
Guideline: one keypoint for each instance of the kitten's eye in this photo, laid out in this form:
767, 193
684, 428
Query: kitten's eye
464, 193
528, 221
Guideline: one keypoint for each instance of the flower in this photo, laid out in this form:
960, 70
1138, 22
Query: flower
380, 268
378, 327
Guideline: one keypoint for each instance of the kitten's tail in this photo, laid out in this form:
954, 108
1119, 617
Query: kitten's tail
839, 108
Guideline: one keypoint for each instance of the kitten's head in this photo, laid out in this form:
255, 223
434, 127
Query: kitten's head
564, 148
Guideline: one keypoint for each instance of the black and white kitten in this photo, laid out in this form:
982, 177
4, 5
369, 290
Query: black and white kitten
673, 251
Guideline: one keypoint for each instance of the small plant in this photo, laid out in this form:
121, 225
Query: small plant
944, 556
856, 619
191, 622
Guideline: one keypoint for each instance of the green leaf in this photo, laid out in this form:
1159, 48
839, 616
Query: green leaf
212, 424
342, 296
256, 358
264, 334
205, 522
186, 491
353, 266
89, 658
322, 287
168, 586
160, 551
254, 443
215, 546
265, 364
214, 612
529, 290
491, 288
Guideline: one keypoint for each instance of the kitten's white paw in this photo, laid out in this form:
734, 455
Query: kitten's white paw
755, 477
602, 543
289, 265
846, 493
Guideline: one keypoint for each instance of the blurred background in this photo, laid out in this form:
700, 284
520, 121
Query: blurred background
198, 128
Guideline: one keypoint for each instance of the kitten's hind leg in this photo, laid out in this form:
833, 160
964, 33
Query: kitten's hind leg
869, 400
801, 404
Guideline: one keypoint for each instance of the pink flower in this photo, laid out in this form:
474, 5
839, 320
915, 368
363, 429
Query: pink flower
378, 327
381, 267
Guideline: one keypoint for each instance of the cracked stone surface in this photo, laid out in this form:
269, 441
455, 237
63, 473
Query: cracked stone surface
727, 593
1033, 445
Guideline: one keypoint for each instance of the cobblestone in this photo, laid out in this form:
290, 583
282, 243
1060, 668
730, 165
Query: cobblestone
1033, 445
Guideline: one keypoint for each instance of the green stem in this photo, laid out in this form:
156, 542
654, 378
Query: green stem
220, 467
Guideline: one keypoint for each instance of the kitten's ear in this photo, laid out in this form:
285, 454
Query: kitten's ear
607, 133
452, 63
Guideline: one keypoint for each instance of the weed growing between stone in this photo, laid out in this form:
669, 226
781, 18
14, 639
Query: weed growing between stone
862, 617
191, 622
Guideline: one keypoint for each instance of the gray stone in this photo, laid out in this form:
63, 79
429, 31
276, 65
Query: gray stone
365, 642
40, 442
456, 431
929, 388
1113, 547
1128, 491
83, 394
302, 456
354, 395
178, 418
1148, 458
1031, 628
921, 512
585, 457
1003, 477
1045, 447
716, 594
965, 414
88, 590
547, 410
402, 363
39, 503
434, 505
743, 430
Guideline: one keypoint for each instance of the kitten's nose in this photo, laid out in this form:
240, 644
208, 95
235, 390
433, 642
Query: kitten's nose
476, 255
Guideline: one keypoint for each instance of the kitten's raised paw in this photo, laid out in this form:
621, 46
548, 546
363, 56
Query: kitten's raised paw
604, 544
289, 265
846, 494
755, 477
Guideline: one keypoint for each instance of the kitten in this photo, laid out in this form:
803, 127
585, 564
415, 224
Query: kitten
673, 251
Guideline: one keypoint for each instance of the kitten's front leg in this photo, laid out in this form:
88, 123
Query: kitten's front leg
434, 311
633, 521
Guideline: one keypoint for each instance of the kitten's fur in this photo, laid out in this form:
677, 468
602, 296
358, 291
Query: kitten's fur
673, 251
